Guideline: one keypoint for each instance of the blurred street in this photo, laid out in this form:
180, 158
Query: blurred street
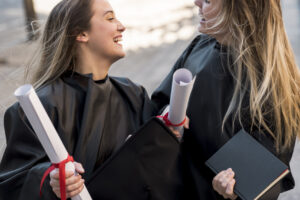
157, 33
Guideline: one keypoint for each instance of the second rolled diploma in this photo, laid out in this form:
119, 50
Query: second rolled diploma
182, 85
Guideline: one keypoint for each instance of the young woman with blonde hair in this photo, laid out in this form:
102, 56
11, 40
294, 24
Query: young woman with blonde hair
93, 113
247, 78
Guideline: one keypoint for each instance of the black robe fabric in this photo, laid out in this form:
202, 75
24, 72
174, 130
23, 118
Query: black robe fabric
209, 101
93, 119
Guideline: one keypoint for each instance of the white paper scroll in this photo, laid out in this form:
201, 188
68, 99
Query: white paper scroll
182, 86
45, 130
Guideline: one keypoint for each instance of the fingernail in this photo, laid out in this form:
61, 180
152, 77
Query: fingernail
81, 168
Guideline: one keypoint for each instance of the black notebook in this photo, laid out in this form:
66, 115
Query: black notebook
256, 169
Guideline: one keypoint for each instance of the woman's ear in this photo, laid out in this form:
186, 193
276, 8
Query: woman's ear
82, 37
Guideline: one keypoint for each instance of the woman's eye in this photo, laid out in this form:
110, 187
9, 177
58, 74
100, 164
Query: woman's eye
207, 1
111, 18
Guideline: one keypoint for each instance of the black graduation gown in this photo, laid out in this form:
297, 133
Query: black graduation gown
92, 119
208, 104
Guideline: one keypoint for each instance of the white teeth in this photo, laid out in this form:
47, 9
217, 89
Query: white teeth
117, 39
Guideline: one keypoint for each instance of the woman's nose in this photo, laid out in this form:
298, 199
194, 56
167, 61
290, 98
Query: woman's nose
198, 3
121, 27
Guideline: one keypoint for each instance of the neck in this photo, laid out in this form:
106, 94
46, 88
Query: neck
89, 63
223, 39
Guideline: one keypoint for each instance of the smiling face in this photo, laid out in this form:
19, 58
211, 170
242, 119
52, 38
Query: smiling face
209, 11
105, 34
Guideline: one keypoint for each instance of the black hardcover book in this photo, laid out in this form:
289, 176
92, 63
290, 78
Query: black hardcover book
146, 167
256, 169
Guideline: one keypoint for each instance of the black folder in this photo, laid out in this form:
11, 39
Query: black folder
256, 169
147, 166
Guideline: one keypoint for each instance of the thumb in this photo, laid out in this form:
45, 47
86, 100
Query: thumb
78, 167
54, 174
186, 124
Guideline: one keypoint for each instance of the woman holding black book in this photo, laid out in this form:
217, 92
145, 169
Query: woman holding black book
247, 78
93, 113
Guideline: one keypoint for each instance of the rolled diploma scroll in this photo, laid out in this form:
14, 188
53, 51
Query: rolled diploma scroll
45, 131
182, 86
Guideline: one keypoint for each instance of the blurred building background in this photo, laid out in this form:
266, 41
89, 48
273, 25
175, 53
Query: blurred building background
157, 33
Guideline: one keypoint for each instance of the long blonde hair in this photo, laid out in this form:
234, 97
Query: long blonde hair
264, 68
56, 51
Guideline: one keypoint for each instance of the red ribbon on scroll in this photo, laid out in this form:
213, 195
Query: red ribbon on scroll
167, 121
62, 175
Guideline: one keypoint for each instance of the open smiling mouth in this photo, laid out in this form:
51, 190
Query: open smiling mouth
117, 40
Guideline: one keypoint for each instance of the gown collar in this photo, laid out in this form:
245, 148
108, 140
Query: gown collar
84, 81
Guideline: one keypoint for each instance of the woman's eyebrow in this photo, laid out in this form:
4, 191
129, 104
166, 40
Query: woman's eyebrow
109, 11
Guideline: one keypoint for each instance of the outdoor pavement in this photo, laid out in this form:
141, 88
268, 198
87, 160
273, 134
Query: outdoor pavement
157, 33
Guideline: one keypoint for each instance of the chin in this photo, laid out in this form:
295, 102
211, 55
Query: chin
119, 56
201, 29
123, 54
204, 31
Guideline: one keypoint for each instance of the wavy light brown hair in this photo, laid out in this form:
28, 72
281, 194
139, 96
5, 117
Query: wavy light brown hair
56, 52
264, 67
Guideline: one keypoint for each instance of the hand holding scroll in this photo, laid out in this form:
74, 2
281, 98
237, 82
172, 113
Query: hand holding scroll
74, 182
176, 132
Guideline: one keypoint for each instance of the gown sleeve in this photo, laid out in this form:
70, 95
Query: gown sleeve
24, 160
